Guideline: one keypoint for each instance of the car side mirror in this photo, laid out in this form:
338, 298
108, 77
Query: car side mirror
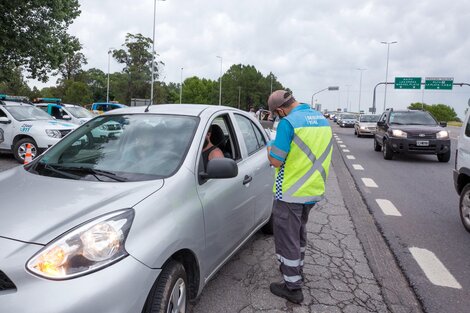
66, 117
380, 123
220, 168
4, 120
443, 124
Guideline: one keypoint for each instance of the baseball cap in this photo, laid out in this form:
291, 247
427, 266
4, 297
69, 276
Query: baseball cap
280, 98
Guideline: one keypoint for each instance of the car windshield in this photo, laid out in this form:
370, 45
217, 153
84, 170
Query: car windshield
121, 148
348, 117
369, 118
412, 118
27, 112
80, 112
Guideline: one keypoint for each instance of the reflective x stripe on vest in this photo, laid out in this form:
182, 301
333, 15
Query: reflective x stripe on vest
300, 183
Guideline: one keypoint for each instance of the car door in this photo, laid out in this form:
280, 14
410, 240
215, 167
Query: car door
228, 204
6, 131
257, 163
381, 129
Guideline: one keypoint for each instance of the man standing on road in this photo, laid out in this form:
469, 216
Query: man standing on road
301, 154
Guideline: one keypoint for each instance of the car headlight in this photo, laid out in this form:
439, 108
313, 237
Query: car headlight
54, 133
443, 134
363, 127
399, 133
84, 249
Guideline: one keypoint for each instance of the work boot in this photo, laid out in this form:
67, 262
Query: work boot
281, 290
301, 272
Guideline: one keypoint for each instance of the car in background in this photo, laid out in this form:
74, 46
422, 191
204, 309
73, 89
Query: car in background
68, 112
21, 123
462, 172
101, 107
142, 216
347, 120
411, 132
366, 125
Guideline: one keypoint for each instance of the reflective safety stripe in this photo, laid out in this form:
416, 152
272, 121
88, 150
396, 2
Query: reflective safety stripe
292, 279
303, 249
287, 262
302, 263
288, 196
280, 153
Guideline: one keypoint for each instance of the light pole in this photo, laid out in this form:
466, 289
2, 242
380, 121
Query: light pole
181, 85
331, 88
220, 81
386, 70
271, 82
153, 49
109, 59
360, 86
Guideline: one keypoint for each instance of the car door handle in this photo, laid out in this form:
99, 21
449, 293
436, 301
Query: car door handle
247, 179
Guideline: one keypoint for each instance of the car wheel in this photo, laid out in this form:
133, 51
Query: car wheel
444, 157
170, 291
359, 135
268, 228
377, 147
19, 149
387, 150
465, 207
355, 131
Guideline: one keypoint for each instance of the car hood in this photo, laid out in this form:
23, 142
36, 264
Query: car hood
418, 129
37, 208
49, 124
367, 124
348, 120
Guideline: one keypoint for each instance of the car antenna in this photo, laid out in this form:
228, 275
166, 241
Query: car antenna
147, 108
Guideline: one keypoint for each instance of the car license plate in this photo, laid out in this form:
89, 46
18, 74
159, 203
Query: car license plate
422, 143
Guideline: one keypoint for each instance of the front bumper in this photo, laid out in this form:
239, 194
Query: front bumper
346, 124
119, 288
366, 131
409, 146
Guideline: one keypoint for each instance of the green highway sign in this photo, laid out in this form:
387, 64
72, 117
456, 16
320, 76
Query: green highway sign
407, 82
441, 83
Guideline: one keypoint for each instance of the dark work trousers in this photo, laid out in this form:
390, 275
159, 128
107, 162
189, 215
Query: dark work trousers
290, 239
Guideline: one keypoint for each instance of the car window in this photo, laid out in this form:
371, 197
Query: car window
412, 118
134, 147
467, 128
254, 140
2, 114
229, 146
27, 113
383, 118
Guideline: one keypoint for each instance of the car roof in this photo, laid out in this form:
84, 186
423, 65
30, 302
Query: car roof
15, 103
176, 109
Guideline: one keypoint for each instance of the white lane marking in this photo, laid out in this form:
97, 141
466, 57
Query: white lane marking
387, 207
342, 146
346, 150
358, 167
340, 141
350, 157
369, 182
433, 268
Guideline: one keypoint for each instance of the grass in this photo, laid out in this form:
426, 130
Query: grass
454, 123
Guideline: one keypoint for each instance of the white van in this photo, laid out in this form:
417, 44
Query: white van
21, 123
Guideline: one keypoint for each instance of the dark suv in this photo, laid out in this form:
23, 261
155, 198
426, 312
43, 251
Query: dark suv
411, 132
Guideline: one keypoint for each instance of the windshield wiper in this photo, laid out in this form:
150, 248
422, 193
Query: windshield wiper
90, 170
396, 123
53, 169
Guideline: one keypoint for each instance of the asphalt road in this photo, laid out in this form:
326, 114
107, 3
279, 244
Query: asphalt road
415, 205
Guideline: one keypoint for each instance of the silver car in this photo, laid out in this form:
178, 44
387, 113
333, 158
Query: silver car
366, 125
136, 222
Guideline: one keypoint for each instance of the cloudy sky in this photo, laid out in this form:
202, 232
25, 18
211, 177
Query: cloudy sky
307, 44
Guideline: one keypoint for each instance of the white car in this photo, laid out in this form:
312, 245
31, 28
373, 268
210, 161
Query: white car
22, 123
68, 112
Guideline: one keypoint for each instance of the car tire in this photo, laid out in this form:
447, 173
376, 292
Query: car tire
444, 157
359, 135
268, 228
387, 150
377, 146
170, 291
19, 149
355, 131
464, 205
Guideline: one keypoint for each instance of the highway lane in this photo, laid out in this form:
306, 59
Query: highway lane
422, 226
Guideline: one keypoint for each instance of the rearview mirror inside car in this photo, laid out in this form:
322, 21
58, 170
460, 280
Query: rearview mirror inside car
220, 168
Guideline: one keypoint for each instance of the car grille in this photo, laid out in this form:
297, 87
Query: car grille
420, 148
371, 128
5, 282
426, 136
64, 133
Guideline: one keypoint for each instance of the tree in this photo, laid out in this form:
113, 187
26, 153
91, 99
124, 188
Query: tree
199, 91
33, 34
71, 68
137, 62
15, 84
77, 93
441, 112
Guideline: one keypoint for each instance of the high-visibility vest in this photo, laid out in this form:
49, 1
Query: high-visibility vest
302, 177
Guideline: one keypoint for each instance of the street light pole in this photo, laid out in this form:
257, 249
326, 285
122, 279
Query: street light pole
153, 49
220, 81
360, 86
181, 85
271, 82
331, 88
386, 70
107, 90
